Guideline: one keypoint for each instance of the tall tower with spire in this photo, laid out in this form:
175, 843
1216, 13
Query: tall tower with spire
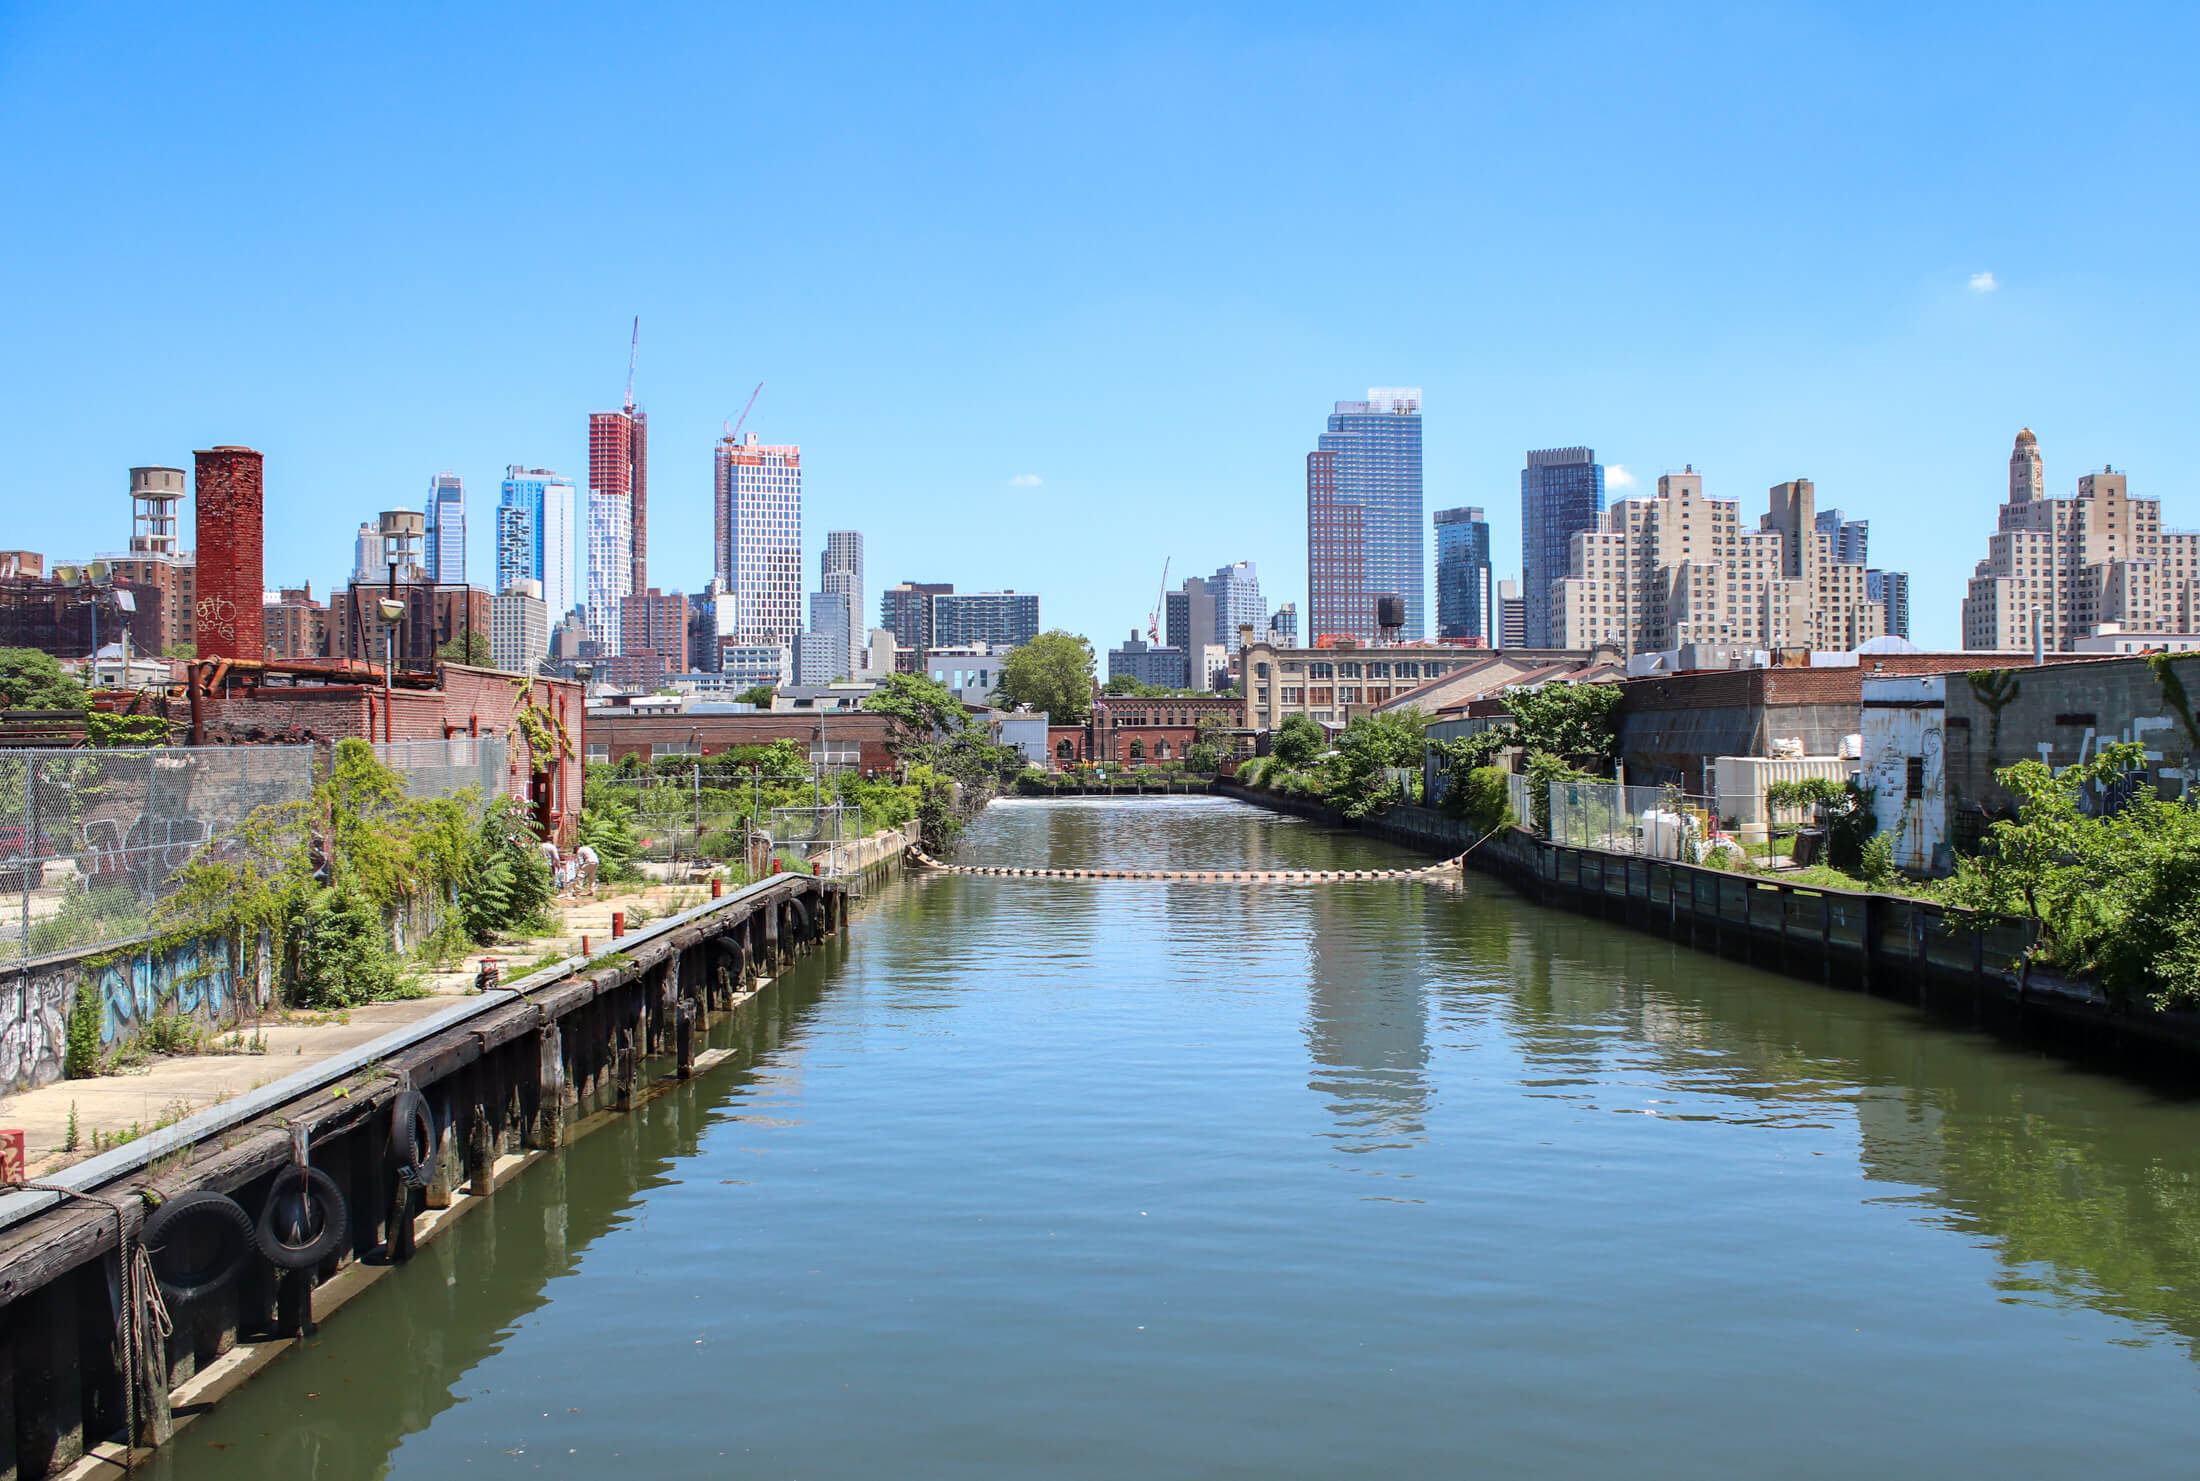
2027, 470
618, 468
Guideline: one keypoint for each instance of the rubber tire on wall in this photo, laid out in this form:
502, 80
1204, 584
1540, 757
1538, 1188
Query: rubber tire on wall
321, 1191
413, 1138
220, 1213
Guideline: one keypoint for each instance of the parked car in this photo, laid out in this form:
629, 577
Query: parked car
20, 867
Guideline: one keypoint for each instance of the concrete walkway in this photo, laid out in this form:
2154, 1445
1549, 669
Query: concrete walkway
167, 1088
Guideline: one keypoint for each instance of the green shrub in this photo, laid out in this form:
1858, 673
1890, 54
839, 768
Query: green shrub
1484, 799
1875, 865
343, 951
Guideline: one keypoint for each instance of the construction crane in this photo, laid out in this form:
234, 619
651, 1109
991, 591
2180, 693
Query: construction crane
634, 348
1160, 603
733, 429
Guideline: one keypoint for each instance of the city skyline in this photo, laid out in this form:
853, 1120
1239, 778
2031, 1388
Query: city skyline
1904, 336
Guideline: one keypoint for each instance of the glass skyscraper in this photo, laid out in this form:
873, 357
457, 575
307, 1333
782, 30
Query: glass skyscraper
552, 557
1561, 492
1363, 514
447, 530
1463, 575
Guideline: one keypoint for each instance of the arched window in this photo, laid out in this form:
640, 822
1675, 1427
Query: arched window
1161, 751
1064, 751
1138, 750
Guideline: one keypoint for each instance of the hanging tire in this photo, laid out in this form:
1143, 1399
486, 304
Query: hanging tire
412, 1139
199, 1243
300, 1228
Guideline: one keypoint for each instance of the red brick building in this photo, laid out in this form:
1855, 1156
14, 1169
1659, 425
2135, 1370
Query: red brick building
434, 615
244, 704
1140, 732
296, 625
652, 640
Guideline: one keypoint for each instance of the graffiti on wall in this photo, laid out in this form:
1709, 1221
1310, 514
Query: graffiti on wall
34, 1027
146, 848
194, 980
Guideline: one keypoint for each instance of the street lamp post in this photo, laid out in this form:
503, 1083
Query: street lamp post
391, 609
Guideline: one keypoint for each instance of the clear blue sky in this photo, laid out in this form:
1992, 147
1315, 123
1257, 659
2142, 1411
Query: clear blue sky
1133, 252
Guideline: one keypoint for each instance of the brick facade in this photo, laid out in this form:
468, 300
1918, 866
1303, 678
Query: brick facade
229, 567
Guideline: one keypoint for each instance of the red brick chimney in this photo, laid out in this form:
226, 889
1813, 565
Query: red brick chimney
229, 530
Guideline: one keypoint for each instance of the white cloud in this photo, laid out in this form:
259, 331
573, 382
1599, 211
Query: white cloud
1027, 480
1983, 283
1616, 476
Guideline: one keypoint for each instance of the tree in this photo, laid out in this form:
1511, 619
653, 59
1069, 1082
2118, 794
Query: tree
2053, 865
1570, 721
469, 648
187, 652
760, 695
1202, 759
1298, 742
1051, 673
32, 680
918, 709
1370, 748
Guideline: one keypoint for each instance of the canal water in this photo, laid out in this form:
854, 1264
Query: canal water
1035, 1178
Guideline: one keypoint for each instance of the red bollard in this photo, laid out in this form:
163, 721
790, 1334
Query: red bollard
816, 867
618, 924
717, 887
584, 946
775, 864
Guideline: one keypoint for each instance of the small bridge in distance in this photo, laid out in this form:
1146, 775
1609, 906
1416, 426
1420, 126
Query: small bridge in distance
1448, 869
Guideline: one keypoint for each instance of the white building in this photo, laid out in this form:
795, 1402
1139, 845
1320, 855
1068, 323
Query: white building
2080, 565
1679, 568
519, 626
758, 529
610, 566
972, 670
749, 664
840, 573
543, 543
447, 530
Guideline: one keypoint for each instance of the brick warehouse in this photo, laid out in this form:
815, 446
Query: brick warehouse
229, 549
1141, 732
241, 704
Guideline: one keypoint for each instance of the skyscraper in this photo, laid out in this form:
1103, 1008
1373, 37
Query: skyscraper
827, 659
1463, 575
1891, 589
1009, 618
1561, 492
840, 571
546, 499
447, 530
618, 467
905, 609
1236, 592
758, 517
1850, 537
516, 548
610, 567
1363, 514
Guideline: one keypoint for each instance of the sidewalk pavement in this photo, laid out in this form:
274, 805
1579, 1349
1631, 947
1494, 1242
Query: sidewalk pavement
166, 1089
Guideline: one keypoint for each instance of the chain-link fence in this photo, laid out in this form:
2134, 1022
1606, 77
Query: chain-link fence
697, 815
1660, 822
817, 839
444, 768
91, 841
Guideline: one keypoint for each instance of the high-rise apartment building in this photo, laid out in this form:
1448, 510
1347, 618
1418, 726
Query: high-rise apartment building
1235, 589
905, 609
1363, 514
1007, 619
1561, 494
610, 567
1283, 626
519, 626
1678, 568
840, 571
831, 618
447, 530
653, 631
1188, 619
295, 624
2078, 563
1851, 537
1463, 576
1891, 589
1512, 615
1161, 666
516, 548
618, 468
552, 555
758, 513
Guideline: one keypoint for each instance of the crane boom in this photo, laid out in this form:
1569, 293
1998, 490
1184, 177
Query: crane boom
1160, 601
633, 348
736, 432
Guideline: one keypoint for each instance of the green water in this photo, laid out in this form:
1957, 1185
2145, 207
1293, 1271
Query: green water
1030, 1178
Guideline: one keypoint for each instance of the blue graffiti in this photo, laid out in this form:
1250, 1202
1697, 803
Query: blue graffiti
195, 978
